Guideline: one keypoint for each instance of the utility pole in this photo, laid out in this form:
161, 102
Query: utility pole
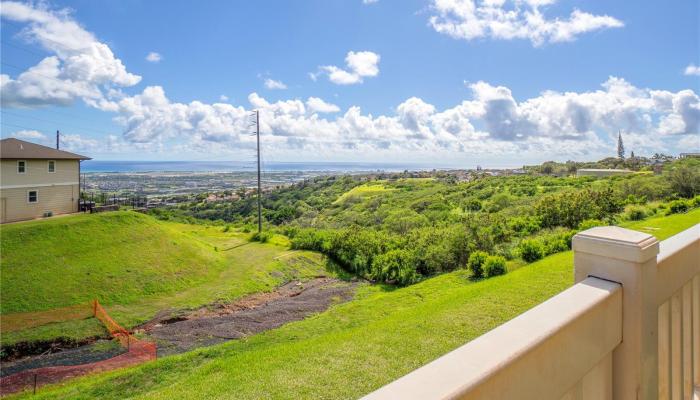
257, 134
57, 136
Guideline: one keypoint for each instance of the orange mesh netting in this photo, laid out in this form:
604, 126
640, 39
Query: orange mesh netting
138, 351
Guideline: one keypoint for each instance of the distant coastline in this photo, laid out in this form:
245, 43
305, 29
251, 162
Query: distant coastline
238, 166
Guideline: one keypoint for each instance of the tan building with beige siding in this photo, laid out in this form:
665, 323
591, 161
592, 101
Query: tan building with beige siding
37, 181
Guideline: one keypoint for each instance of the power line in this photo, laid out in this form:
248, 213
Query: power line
23, 48
44, 38
18, 126
51, 121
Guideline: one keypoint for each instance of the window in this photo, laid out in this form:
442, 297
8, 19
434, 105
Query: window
52, 166
21, 166
32, 196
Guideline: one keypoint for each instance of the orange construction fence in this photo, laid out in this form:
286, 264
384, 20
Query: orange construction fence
138, 351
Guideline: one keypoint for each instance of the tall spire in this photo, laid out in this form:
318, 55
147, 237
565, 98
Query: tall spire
620, 146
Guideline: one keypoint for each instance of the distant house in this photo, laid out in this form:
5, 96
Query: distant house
689, 155
37, 181
601, 172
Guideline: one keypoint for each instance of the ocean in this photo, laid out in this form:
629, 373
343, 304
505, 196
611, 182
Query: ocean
237, 166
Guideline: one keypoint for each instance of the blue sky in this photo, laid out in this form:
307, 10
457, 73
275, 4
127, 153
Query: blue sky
445, 81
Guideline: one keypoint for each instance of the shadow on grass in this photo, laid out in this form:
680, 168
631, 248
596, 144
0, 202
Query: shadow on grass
236, 246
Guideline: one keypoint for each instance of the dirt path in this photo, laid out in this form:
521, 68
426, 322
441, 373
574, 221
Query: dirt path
220, 322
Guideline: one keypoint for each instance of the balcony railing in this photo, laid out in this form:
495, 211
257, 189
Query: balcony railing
628, 329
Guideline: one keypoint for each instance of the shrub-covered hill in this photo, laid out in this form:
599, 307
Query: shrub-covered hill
400, 229
117, 258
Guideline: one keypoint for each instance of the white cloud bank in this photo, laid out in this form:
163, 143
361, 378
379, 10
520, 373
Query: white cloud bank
274, 85
491, 121
153, 57
81, 67
360, 65
692, 69
30, 135
513, 19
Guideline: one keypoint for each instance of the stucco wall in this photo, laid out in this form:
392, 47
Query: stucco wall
37, 173
59, 199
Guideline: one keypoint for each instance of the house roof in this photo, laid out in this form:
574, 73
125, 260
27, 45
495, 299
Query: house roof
16, 149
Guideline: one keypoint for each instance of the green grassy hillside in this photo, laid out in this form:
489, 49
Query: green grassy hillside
354, 347
135, 265
117, 258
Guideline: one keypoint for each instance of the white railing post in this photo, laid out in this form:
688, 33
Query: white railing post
627, 257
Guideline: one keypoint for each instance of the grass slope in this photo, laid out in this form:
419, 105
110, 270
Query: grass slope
135, 265
353, 348
115, 257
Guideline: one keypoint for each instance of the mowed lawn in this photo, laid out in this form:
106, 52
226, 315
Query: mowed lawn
353, 348
136, 266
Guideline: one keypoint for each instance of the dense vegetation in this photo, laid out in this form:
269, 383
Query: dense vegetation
397, 229
353, 348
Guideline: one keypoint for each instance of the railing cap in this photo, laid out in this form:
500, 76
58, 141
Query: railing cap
615, 242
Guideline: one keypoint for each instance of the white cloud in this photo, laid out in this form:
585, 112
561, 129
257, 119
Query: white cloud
492, 120
75, 142
692, 69
29, 134
316, 104
223, 97
369, 1
274, 85
154, 57
361, 64
82, 67
513, 19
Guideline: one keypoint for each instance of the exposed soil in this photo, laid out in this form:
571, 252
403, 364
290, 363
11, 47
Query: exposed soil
54, 356
20, 350
177, 331
220, 322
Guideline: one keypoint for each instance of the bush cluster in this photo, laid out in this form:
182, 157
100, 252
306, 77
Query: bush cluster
531, 250
262, 237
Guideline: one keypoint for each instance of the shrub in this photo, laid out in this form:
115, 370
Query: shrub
262, 237
494, 265
531, 250
589, 223
498, 202
476, 263
636, 213
473, 205
685, 181
524, 225
395, 266
677, 207
227, 228
569, 209
695, 202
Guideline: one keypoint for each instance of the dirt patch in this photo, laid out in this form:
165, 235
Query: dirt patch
220, 322
90, 351
21, 350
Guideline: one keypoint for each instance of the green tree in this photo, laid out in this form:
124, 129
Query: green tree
685, 181
620, 147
